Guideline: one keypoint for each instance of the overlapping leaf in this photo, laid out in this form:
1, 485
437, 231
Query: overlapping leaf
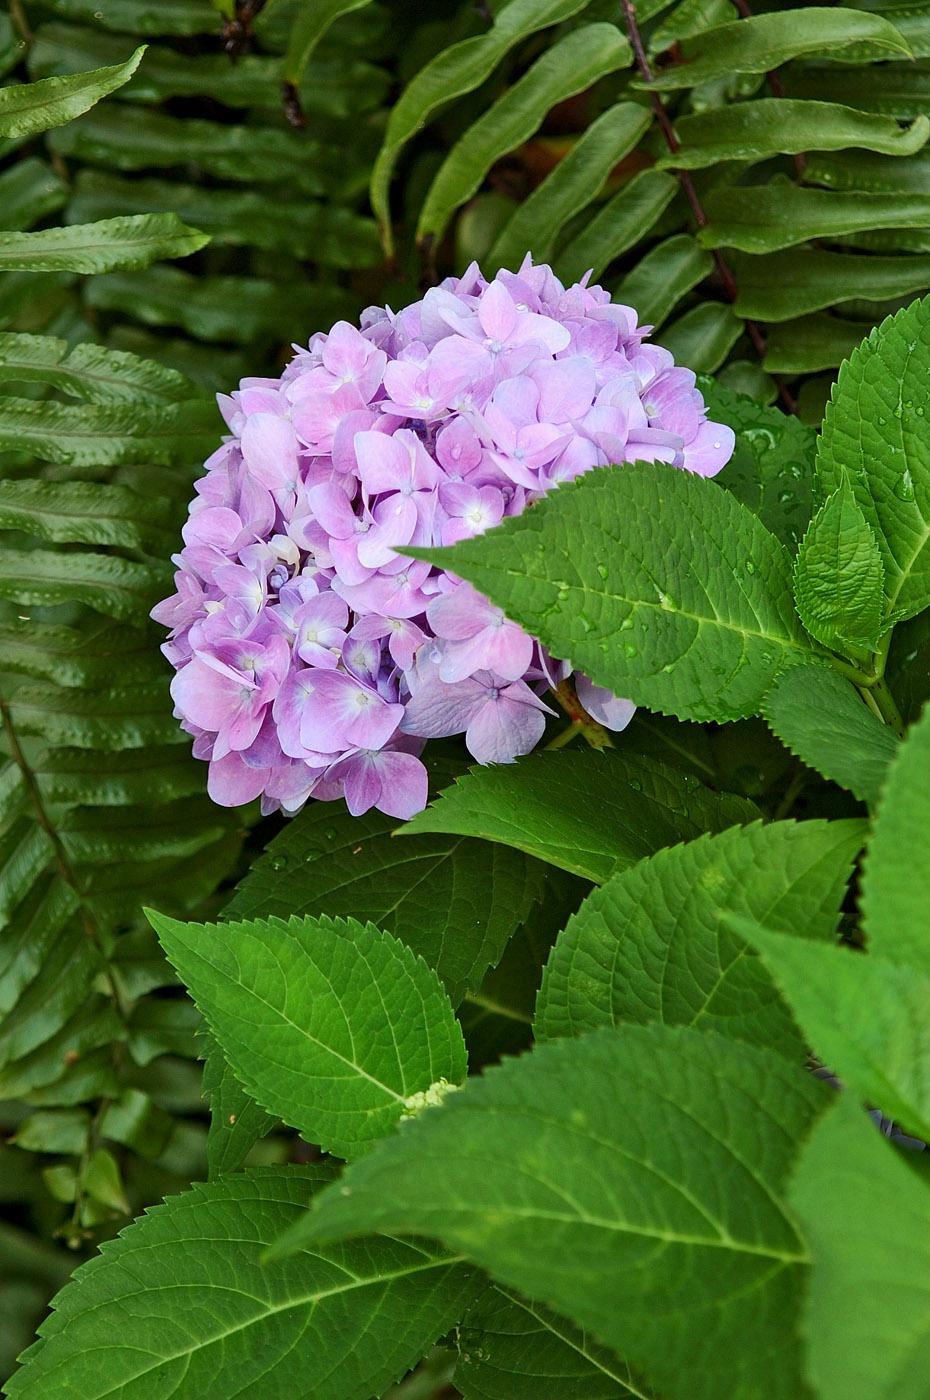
237, 1122
769, 126
209, 1312
536, 223
866, 1216
839, 576
329, 862
865, 1016
874, 437
764, 42
589, 813
653, 945
821, 719
622, 1180
335, 1027
896, 879
594, 571
513, 1349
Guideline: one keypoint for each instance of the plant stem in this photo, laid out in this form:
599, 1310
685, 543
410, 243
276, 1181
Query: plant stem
873, 687
865, 680
60, 856
565, 736
884, 703
792, 793
595, 734
20, 21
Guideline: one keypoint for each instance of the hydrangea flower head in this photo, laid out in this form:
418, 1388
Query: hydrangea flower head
313, 656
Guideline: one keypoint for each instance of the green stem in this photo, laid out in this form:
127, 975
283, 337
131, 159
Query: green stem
869, 699
792, 793
884, 702
20, 21
872, 685
565, 736
863, 679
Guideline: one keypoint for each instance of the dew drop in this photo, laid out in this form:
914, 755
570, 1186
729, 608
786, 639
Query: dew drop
626, 624
750, 567
904, 487
602, 571
636, 785
629, 648
279, 862
667, 602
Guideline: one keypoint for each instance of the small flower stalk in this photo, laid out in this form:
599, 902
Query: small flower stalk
313, 657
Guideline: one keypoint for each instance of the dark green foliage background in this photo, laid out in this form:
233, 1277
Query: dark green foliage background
101, 808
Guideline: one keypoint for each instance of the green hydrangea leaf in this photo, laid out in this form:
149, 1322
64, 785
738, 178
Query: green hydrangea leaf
874, 436
651, 580
513, 1349
652, 945
237, 1122
820, 717
333, 1026
589, 813
772, 467
839, 576
623, 1180
865, 1016
896, 877
184, 1302
866, 1218
326, 861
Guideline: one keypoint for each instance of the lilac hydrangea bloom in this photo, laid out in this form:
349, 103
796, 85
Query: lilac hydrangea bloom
313, 658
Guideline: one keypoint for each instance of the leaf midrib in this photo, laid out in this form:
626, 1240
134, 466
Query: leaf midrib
300, 1029
310, 1299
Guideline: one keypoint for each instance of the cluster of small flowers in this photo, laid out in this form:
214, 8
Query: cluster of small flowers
312, 657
